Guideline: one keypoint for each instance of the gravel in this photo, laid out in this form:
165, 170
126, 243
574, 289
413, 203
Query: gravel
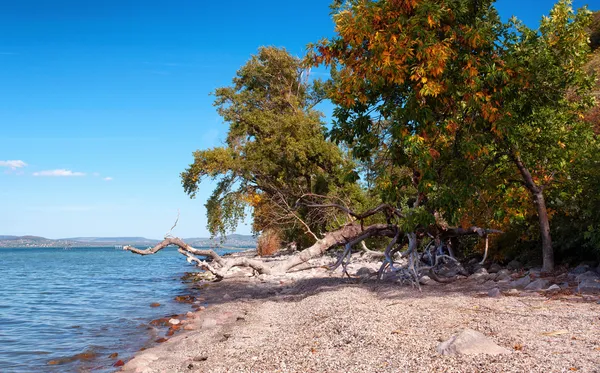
340, 325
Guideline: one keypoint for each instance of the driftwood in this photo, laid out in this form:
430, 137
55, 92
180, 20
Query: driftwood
348, 236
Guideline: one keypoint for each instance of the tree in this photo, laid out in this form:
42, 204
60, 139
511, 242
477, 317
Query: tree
451, 91
411, 81
542, 130
274, 153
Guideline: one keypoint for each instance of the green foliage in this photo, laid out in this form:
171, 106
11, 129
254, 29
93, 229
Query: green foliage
275, 150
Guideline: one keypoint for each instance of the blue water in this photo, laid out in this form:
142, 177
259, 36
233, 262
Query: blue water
57, 303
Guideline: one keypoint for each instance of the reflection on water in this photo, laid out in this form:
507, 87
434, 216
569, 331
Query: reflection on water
76, 307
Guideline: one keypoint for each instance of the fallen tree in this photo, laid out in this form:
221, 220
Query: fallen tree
408, 256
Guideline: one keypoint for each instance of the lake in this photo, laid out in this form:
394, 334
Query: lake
57, 303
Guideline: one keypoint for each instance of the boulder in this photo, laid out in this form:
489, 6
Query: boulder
426, 280
521, 283
503, 275
535, 272
589, 286
495, 268
589, 275
494, 293
514, 265
174, 321
470, 342
365, 272
538, 284
582, 268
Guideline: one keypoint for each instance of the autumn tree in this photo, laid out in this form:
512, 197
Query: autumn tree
411, 79
450, 91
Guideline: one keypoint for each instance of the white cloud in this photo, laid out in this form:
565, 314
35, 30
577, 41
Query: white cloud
60, 172
13, 165
108, 178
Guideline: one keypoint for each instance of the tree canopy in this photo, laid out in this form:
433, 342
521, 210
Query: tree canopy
275, 150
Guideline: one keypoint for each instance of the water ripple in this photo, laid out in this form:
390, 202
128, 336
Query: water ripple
84, 300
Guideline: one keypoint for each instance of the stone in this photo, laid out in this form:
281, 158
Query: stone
365, 272
589, 286
503, 275
209, 323
470, 342
495, 268
119, 363
190, 327
155, 304
535, 272
174, 321
494, 293
589, 275
582, 268
512, 292
521, 283
538, 284
201, 358
514, 265
553, 287
426, 280
226, 296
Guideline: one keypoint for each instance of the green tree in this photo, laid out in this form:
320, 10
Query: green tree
542, 130
274, 153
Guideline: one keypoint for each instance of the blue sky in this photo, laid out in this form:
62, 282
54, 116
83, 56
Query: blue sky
103, 102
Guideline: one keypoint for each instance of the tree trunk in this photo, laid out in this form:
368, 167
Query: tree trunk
547, 251
537, 193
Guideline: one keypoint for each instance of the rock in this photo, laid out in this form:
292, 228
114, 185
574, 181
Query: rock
553, 287
482, 271
503, 275
494, 293
538, 284
589, 275
174, 322
589, 286
155, 304
365, 272
113, 355
226, 296
535, 272
470, 342
582, 268
190, 327
209, 323
426, 280
514, 265
201, 358
495, 268
512, 292
480, 275
191, 315
119, 363
521, 283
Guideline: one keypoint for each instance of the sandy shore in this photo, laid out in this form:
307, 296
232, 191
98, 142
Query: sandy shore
330, 324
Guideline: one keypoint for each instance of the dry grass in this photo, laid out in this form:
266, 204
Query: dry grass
269, 243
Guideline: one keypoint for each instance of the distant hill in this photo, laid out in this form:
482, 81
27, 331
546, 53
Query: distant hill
112, 240
234, 240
